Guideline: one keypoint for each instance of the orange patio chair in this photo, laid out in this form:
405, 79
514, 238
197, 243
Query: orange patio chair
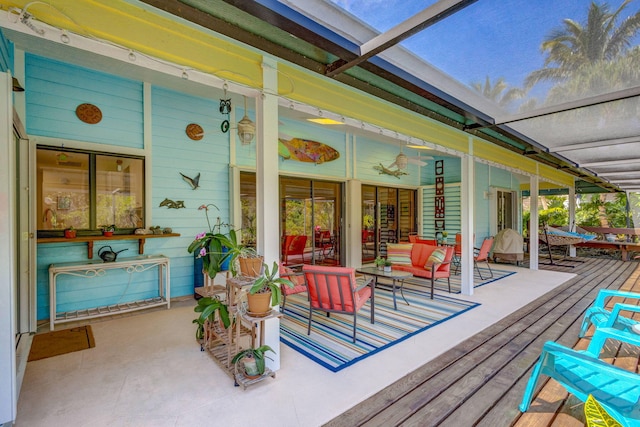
297, 277
482, 255
293, 249
336, 290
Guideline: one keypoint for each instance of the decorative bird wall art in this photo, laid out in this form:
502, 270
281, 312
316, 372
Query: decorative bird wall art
179, 204
193, 182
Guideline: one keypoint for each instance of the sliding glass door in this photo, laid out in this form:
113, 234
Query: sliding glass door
310, 219
311, 212
388, 216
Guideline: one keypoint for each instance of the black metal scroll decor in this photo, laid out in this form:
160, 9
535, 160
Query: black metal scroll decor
439, 215
225, 108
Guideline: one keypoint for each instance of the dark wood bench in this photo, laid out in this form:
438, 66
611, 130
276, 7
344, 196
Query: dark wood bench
623, 244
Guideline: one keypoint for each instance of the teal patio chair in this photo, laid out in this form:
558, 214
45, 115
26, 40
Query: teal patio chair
599, 316
582, 374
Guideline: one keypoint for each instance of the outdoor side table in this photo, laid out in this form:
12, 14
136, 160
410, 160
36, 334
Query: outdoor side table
395, 276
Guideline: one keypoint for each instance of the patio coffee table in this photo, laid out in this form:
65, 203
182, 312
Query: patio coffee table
394, 275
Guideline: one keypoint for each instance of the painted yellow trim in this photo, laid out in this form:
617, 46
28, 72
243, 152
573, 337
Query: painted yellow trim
172, 40
542, 185
491, 152
328, 94
556, 175
143, 31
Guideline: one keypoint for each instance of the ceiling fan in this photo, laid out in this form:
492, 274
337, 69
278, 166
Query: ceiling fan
402, 160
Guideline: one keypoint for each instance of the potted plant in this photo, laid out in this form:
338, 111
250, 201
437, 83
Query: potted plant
220, 251
207, 307
70, 233
387, 266
251, 361
107, 230
379, 262
265, 292
444, 237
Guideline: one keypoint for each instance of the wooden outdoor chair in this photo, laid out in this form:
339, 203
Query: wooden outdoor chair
583, 374
336, 290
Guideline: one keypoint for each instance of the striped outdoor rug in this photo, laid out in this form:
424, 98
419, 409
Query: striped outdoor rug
456, 280
330, 343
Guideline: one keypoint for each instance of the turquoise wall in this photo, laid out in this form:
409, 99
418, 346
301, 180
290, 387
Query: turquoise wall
370, 154
173, 152
6, 54
56, 89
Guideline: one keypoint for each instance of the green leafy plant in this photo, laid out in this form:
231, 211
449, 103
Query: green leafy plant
269, 282
111, 227
255, 353
207, 307
216, 247
379, 262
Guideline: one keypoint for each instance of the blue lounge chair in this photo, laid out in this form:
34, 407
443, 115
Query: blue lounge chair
582, 374
599, 316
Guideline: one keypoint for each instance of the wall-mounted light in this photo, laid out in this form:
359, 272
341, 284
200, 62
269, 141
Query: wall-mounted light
246, 128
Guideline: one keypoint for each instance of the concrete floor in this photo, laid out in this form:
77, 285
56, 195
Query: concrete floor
148, 370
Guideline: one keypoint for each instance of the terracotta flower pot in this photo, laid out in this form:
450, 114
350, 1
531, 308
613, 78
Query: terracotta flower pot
70, 234
259, 304
250, 267
107, 233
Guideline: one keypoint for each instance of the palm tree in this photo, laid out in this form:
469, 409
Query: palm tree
575, 46
499, 92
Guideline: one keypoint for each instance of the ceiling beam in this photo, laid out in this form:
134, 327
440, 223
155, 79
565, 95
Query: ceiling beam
605, 163
400, 32
595, 144
571, 105
618, 173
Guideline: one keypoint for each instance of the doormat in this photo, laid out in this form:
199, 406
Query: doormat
61, 342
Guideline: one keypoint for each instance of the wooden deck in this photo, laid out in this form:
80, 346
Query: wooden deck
481, 381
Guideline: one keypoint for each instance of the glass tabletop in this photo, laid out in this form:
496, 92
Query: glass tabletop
393, 274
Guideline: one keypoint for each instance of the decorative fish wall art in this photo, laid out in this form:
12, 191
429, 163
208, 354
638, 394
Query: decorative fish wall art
382, 170
179, 204
305, 150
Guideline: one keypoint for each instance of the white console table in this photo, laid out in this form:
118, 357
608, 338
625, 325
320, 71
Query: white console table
91, 269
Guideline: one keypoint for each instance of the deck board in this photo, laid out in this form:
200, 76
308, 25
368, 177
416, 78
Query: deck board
481, 381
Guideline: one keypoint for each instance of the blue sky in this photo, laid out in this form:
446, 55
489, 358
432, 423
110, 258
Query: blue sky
499, 38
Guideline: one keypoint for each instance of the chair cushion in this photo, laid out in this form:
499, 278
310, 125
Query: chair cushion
291, 274
399, 253
436, 257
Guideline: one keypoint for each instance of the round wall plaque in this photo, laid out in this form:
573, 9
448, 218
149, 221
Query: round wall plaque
194, 131
89, 113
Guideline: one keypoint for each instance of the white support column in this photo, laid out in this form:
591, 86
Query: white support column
8, 385
267, 200
533, 224
572, 216
353, 223
467, 207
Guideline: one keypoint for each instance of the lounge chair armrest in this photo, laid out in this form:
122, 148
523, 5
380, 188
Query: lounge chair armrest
363, 282
608, 293
615, 313
601, 335
588, 358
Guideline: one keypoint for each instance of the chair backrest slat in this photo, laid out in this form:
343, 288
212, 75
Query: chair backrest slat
331, 288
